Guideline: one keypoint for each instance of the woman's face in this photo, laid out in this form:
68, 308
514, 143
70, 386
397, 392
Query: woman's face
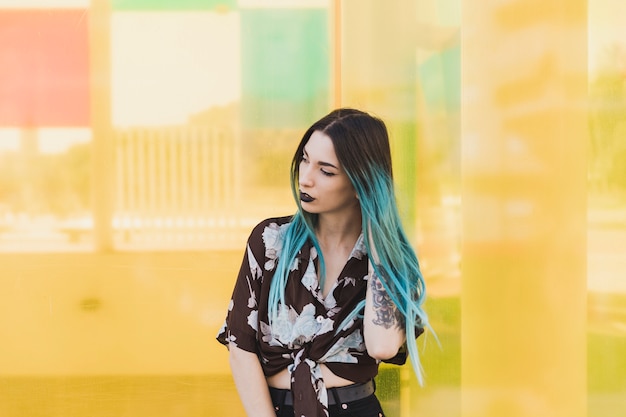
324, 186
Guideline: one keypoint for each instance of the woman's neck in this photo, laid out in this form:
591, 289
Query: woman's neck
334, 232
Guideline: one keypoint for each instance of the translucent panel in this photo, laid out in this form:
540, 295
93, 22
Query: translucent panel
189, 63
112, 334
279, 92
44, 4
524, 203
44, 118
401, 60
606, 342
40, 83
221, 5
136, 157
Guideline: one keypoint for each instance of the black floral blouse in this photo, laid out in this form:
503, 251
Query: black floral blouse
305, 334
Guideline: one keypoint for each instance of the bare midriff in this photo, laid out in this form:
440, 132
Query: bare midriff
282, 379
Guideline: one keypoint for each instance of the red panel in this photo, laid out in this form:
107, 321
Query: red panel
44, 68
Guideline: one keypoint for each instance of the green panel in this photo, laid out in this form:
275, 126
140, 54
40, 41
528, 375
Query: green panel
173, 4
285, 67
440, 78
404, 147
448, 12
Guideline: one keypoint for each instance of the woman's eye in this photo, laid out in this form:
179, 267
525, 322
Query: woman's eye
328, 174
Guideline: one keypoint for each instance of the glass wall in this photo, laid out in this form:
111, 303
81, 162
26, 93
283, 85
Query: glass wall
401, 61
141, 140
606, 260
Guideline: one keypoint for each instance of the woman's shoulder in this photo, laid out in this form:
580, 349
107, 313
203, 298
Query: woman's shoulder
271, 225
273, 222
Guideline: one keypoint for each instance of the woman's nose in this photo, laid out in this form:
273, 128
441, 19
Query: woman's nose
304, 176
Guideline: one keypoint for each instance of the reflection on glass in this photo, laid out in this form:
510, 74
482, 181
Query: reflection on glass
400, 59
46, 191
207, 99
606, 342
44, 118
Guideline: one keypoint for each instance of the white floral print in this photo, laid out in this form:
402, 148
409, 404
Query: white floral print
292, 330
340, 351
255, 269
309, 279
273, 236
253, 320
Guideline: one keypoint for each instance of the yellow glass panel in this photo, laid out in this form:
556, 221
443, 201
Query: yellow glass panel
606, 231
400, 59
515, 203
524, 130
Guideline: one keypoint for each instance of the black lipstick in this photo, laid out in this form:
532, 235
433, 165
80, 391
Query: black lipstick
305, 197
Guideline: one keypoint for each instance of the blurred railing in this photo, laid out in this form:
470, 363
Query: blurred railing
176, 184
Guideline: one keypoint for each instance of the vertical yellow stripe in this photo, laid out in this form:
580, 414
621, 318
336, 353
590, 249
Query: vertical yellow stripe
336, 59
524, 136
103, 149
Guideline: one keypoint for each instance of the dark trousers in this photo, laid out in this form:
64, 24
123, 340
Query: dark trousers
365, 407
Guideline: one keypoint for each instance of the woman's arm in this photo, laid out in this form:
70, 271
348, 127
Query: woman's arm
250, 382
383, 324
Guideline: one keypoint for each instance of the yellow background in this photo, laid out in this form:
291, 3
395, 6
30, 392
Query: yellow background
508, 124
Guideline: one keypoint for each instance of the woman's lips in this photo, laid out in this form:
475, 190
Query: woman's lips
305, 197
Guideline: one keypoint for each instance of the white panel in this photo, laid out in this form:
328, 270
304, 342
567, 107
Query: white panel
167, 66
58, 140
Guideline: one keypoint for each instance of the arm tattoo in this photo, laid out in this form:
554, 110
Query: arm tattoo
386, 312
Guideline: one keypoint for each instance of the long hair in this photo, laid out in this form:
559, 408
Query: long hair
361, 144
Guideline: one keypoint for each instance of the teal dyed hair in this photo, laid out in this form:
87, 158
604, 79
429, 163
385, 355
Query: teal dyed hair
361, 144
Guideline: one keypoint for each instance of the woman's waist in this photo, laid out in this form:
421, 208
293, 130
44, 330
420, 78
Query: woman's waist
282, 379
336, 395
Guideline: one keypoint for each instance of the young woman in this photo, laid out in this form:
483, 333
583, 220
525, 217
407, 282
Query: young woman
326, 294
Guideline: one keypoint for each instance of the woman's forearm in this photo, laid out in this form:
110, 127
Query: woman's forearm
250, 382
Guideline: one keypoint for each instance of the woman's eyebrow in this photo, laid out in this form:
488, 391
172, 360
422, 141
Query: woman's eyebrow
326, 164
321, 163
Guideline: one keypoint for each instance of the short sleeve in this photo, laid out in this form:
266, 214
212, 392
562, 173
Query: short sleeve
242, 321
